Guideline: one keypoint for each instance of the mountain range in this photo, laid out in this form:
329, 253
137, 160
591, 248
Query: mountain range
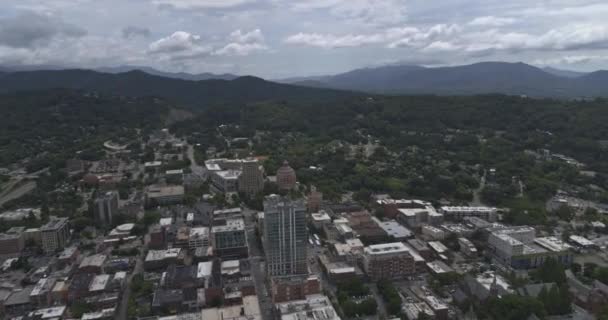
479, 78
207, 88
196, 94
174, 75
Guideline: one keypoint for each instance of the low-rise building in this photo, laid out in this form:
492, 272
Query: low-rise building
99, 284
467, 247
294, 288
248, 310
104, 314
18, 303
226, 181
394, 230
388, 261
433, 233
157, 259
412, 310
92, 264
19, 214
312, 307
198, 238
68, 256
438, 267
421, 247
12, 242
52, 313
349, 251
229, 239
320, 218
458, 213
518, 248
41, 293
487, 284
164, 195
581, 242
438, 247
339, 271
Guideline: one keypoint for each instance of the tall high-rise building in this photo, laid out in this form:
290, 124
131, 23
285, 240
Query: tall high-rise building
286, 177
285, 236
105, 207
251, 180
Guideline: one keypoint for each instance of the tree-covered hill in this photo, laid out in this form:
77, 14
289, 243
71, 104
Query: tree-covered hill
51, 126
196, 94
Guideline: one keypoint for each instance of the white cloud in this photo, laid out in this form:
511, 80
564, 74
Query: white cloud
420, 39
441, 46
254, 36
571, 60
243, 43
392, 37
330, 41
570, 37
240, 49
201, 4
176, 42
372, 12
492, 21
183, 45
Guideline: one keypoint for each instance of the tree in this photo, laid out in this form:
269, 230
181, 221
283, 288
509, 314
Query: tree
564, 213
79, 308
512, 307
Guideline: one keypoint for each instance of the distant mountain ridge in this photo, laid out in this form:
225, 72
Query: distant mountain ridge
564, 73
174, 75
478, 78
241, 90
204, 89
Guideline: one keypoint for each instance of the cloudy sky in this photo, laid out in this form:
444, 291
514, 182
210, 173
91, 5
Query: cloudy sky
284, 38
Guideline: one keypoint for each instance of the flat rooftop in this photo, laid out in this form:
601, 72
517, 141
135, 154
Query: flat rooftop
552, 244
167, 191
54, 224
199, 232
581, 241
204, 269
229, 211
438, 246
99, 283
386, 248
439, 267
468, 209
231, 225
228, 174
320, 216
154, 255
394, 229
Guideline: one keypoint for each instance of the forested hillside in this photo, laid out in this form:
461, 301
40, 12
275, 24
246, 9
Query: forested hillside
51, 126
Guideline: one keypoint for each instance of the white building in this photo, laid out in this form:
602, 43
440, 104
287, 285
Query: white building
198, 238
315, 307
225, 181
320, 218
458, 213
393, 229
433, 233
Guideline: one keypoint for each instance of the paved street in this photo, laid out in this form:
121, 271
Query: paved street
256, 260
124, 304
